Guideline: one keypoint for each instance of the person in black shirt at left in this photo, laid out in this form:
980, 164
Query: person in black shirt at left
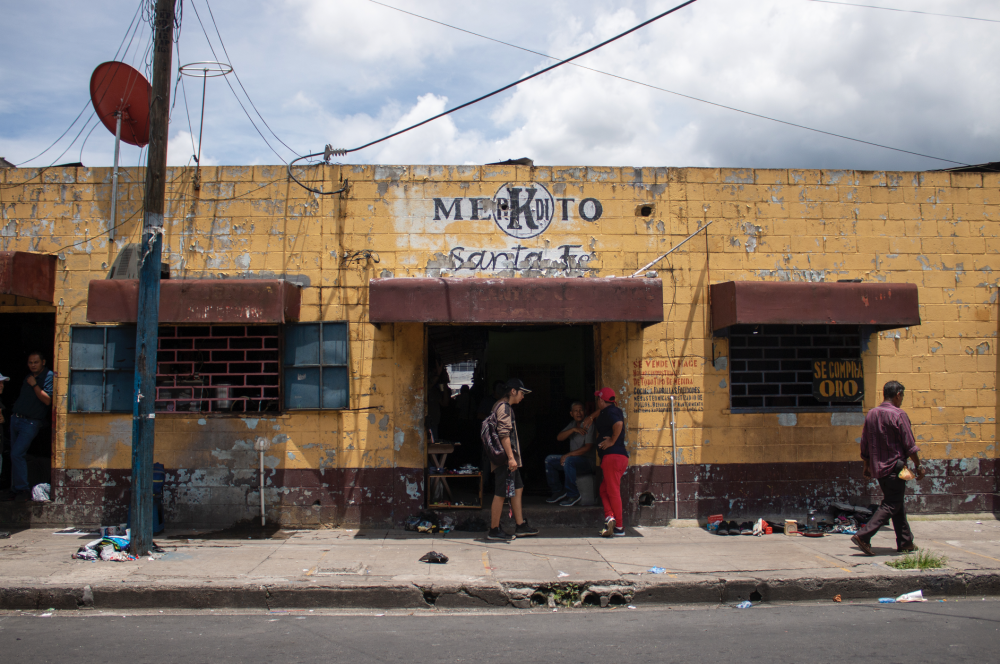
29, 414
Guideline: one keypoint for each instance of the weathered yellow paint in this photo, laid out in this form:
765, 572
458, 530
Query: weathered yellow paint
937, 230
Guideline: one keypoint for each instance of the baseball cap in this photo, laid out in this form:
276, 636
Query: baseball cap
606, 394
516, 384
4, 378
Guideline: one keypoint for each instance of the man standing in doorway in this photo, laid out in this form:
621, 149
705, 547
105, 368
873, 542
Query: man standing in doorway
507, 482
610, 423
29, 414
886, 442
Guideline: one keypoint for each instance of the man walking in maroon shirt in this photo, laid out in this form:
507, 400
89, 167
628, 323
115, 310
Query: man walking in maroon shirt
886, 442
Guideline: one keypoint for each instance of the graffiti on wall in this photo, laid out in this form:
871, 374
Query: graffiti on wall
521, 211
655, 380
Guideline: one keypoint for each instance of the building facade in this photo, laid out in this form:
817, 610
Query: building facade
315, 325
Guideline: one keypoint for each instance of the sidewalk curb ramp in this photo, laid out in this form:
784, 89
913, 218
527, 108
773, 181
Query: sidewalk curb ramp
510, 594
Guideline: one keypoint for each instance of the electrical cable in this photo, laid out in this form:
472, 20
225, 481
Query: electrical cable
327, 153
679, 94
906, 11
236, 74
524, 79
238, 100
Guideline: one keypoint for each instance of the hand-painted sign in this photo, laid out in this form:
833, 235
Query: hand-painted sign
519, 210
655, 380
838, 381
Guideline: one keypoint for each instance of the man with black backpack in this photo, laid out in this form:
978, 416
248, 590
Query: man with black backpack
499, 434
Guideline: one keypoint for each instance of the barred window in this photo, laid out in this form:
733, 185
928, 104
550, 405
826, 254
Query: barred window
218, 369
770, 366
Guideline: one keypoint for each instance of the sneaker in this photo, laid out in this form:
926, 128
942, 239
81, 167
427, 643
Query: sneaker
734, 528
609, 527
746, 528
865, 547
556, 497
907, 549
723, 529
524, 529
498, 534
569, 502
619, 532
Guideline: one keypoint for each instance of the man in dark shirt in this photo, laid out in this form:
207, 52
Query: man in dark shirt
886, 441
28, 416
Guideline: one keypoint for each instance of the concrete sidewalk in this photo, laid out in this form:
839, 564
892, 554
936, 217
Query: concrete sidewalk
380, 569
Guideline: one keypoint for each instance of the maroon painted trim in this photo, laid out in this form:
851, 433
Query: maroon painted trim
198, 301
515, 300
28, 275
884, 306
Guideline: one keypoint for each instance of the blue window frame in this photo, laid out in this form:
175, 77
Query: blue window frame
316, 366
102, 369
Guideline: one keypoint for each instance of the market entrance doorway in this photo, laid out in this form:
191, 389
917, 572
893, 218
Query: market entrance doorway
21, 334
556, 362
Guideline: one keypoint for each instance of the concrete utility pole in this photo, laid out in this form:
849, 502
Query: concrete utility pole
147, 323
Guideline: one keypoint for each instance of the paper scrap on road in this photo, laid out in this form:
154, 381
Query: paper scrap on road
915, 596
562, 574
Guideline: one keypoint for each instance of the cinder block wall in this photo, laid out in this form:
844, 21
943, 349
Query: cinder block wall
937, 230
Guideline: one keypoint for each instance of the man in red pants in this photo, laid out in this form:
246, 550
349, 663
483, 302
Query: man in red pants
610, 423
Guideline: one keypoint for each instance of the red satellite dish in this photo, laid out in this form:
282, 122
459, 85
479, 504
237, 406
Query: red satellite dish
115, 86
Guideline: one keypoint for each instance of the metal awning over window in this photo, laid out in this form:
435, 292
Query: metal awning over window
879, 305
27, 275
198, 301
533, 300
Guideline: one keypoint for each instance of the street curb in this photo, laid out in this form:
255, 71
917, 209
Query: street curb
515, 595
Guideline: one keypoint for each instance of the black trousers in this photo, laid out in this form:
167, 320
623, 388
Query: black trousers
892, 508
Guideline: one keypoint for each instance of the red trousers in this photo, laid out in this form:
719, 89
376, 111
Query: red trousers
613, 466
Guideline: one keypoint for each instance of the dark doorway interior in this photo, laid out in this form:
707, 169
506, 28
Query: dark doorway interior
555, 361
21, 334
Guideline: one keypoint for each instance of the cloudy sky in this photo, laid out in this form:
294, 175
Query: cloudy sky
346, 72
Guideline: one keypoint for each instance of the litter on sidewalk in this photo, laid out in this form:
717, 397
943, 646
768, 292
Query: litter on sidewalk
434, 557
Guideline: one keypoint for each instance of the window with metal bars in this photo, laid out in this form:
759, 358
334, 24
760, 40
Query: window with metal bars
218, 369
316, 362
101, 369
770, 366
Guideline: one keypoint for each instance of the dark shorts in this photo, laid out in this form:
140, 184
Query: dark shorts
500, 481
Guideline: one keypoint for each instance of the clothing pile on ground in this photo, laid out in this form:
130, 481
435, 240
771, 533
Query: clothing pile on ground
431, 522
837, 517
110, 548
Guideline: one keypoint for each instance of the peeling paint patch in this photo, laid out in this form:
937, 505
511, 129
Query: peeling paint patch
397, 439
788, 419
847, 419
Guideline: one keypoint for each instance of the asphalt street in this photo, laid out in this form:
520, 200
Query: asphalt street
953, 631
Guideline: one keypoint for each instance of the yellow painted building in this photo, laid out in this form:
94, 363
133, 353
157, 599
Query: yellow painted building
315, 325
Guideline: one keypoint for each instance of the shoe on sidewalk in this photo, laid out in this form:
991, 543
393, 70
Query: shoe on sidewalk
570, 501
619, 532
908, 549
556, 497
498, 535
746, 528
609, 527
524, 529
865, 547
734, 528
723, 528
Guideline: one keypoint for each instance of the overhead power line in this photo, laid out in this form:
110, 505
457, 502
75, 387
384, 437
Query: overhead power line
489, 94
674, 92
233, 90
906, 11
